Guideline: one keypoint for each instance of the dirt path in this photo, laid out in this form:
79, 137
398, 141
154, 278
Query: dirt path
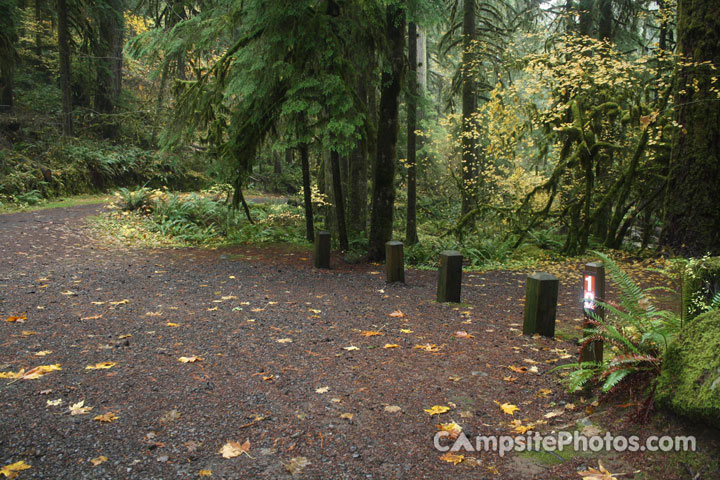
276, 369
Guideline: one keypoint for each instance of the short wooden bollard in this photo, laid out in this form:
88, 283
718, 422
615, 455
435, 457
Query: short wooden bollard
593, 290
394, 262
449, 276
541, 295
322, 249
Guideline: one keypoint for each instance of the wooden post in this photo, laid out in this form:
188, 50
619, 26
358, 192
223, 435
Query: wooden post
450, 276
594, 290
394, 262
541, 293
322, 249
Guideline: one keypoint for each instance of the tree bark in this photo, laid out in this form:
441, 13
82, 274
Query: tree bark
339, 200
307, 195
692, 216
65, 79
469, 105
383, 202
411, 237
109, 62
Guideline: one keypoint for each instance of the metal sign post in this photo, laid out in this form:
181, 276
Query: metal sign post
593, 291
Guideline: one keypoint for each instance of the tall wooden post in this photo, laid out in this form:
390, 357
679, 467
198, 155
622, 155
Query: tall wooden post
322, 249
594, 290
541, 293
394, 262
449, 276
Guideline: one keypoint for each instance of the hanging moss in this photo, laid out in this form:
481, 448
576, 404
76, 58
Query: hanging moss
690, 380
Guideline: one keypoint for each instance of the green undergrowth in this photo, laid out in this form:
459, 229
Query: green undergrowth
158, 218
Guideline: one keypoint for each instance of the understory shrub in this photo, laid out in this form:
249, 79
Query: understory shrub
635, 334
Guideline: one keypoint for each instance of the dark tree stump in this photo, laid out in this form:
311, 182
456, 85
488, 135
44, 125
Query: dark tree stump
541, 295
322, 249
449, 276
394, 262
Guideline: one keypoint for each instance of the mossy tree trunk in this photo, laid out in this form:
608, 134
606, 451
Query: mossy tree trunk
692, 216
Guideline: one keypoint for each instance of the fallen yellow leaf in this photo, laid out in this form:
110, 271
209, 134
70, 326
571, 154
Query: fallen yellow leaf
397, 314
98, 460
206, 473
100, 366
453, 458
508, 408
108, 417
17, 319
437, 410
391, 345
11, 471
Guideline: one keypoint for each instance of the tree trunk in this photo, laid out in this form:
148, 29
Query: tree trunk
109, 63
65, 83
383, 202
469, 105
411, 237
339, 200
692, 216
307, 195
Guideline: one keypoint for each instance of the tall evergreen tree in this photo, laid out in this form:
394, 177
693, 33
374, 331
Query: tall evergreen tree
692, 223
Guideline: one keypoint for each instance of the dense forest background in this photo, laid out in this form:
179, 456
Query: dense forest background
502, 128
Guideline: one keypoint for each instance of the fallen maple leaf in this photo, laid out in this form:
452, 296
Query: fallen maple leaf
452, 428
234, 449
54, 403
518, 369
172, 324
508, 408
351, 348
42, 353
79, 408
453, 458
205, 473
600, 473
108, 417
397, 314
284, 340
11, 471
98, 460
322, 390
437, 410
346, 416
100, 366
391, 345
296, 465
192, 359
405, 330
392, 408
37, 372
370, 333
17, 319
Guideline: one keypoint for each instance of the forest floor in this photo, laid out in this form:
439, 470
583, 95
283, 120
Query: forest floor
288, 361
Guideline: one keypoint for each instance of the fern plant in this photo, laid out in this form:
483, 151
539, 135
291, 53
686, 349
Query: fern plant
634, 331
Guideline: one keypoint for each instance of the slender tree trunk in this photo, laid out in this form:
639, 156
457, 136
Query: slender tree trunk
65, 79
692, 222
339, 200
411, 237
307, 195
383, 202
469, 105
38, 39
